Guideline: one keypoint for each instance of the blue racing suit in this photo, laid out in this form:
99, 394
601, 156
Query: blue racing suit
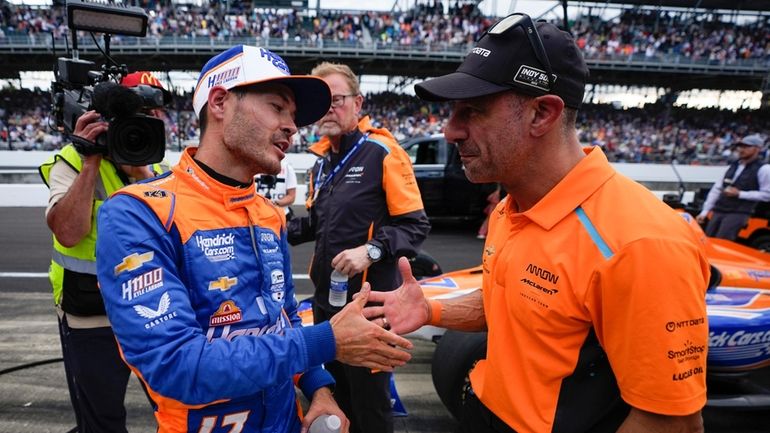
196, 281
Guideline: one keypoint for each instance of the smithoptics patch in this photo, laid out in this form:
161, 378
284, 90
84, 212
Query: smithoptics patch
533, 77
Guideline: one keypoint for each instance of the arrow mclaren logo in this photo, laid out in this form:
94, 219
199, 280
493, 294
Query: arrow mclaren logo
544, 274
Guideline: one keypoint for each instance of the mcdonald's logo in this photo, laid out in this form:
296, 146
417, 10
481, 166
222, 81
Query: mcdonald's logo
141, 77
148, 78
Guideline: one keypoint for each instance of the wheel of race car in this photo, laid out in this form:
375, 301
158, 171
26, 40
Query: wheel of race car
762, 243
715, 278
453, 359
423, 266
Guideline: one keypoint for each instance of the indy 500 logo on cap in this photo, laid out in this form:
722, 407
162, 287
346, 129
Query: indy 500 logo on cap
533, 77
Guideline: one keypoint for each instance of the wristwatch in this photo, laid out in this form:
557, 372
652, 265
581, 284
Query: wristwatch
373, 252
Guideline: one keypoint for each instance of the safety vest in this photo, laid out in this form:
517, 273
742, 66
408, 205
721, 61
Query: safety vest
68, 262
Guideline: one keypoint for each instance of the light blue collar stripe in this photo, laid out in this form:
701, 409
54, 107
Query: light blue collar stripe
383, 145
595, 236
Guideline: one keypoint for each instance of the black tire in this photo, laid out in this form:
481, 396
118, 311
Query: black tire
715, 279
762, 243
456, 354
424, 266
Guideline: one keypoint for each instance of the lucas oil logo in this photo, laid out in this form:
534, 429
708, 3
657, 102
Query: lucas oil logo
218, 248
226, 314
145, 283
684, 375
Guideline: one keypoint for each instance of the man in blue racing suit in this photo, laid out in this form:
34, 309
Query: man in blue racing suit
196, 274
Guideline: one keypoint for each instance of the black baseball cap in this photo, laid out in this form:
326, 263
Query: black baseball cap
507, 61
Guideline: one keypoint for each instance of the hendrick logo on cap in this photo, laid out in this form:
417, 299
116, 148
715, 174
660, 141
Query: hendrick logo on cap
275, 59
534, 77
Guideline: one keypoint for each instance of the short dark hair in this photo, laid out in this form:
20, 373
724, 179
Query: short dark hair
239, 93
569, 116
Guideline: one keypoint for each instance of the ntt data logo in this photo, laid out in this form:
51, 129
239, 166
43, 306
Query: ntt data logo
673, 326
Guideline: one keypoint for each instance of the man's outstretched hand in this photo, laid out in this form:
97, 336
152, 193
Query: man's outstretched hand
404, 309
363, 343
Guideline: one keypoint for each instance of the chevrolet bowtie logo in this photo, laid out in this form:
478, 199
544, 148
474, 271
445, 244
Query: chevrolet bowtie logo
134, 261
223, 283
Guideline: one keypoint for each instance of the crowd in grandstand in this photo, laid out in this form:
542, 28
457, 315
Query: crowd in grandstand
654, 34
636, 32
654, 133
657, 133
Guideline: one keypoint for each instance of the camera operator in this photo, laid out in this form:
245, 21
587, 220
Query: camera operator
281, 189
79, 184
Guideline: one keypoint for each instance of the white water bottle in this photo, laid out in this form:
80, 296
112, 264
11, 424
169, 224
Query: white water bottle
338, 289
326, 424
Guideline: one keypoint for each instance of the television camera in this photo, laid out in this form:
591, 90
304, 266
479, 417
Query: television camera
133, 137
266, 183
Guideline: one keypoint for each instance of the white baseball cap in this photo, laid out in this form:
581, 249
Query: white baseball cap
752, 140
244, 65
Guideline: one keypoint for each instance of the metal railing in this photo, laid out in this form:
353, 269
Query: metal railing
442, 51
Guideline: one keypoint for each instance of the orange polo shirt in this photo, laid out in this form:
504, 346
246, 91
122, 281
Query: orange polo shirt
598, 253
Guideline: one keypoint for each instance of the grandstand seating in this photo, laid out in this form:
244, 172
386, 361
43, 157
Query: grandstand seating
636, 40
634, 32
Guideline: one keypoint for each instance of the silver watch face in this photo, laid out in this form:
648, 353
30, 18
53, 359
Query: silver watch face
373, 252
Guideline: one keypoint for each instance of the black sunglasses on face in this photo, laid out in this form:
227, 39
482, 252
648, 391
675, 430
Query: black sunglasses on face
525, 22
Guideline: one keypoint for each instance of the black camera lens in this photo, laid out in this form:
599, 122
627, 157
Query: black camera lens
137, 140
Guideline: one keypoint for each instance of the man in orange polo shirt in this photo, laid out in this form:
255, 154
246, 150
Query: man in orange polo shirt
586, 273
